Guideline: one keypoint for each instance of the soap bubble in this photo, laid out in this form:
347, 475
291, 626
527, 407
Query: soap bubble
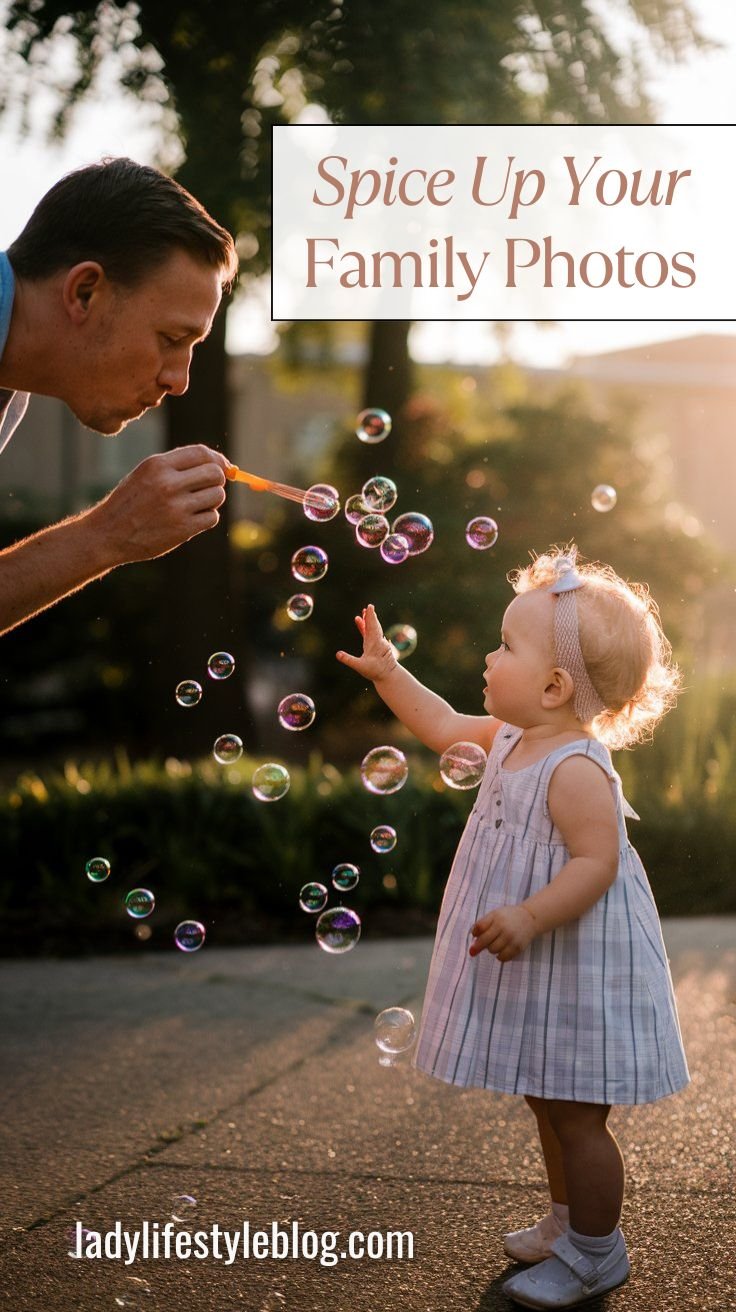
384, 770
462, 765
228, 748
603, 497
296, 711
139, 902
403, 639
312, 897
481, 533
356, 508
271, 782
372, 426
300, 606
417, 528
394, 1030
98, 869
380, 493
188, 692
220, 665
309, 564
345, 876
338, 929
383, 838
395, 548
189, 935
143, 932
321, 502
371, 530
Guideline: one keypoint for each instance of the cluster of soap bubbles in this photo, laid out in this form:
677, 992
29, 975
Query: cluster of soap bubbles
219, 666
140, 903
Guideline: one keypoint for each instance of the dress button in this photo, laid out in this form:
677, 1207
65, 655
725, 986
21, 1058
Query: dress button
498, 823
498, 801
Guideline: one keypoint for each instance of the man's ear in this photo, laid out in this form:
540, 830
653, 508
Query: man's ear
558, 691
82, 287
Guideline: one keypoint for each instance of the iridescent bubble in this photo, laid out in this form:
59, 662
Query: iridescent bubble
356, 508
417, 528
383, 838
188, 692
462, 765
380, 493
481, 533
395, 548
309, 564
603, 497
228, 748
403, 639
189, 935
321, 502
384, 770
271, 782
300, 606
139, 903
394, 1029
296, 711
220, 665
312, 897
371, 530
98, 869
345, 876
338, 929
372, 426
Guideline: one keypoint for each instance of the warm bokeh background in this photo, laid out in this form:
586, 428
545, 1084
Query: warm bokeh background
96, 756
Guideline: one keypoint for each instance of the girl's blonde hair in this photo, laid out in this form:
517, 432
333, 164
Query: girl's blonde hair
626, 653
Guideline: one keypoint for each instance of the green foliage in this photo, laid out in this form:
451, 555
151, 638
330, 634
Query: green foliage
197, 837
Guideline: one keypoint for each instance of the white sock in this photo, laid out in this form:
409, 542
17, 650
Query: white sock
594, 1246
562, 1212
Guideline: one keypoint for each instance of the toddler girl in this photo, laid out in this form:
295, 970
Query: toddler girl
549, 976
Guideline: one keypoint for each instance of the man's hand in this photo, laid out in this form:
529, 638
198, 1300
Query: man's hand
504, 932
379, 657
166, 500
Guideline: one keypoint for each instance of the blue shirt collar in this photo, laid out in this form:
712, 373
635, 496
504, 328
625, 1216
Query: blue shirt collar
7, 292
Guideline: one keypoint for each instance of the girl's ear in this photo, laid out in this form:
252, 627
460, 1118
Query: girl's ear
558, 691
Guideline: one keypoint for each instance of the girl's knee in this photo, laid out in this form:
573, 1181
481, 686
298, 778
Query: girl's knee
576, 1117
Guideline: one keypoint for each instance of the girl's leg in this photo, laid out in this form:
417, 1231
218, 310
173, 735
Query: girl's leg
551, 1149
593, 1165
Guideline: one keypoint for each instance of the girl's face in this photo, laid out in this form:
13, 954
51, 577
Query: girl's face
518, 672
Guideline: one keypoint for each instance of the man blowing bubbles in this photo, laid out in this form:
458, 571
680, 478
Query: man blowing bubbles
116, 277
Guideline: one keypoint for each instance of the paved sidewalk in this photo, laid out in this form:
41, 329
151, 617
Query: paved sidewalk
249, 1079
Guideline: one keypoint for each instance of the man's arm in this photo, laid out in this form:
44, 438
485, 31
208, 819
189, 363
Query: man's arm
166, 500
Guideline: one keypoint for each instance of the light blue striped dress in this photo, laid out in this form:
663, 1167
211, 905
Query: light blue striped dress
587, 1011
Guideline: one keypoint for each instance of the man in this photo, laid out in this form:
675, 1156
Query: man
115, 278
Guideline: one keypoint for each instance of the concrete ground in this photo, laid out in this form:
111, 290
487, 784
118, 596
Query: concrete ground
248, 1080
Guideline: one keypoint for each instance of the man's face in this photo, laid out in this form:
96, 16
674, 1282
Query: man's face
138, 346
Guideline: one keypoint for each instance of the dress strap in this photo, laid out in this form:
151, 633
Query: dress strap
595, 750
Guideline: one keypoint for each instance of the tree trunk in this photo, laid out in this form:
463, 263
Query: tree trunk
198, 613
389, 377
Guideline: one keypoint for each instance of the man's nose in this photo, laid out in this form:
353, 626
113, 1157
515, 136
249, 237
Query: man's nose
175, 378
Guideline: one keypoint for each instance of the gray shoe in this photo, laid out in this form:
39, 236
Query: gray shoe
535, 1243
569, 1277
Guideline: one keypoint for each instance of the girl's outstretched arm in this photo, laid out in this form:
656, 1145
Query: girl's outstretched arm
432, 720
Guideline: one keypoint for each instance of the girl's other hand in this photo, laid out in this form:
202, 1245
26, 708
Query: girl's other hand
504, 932
378, 659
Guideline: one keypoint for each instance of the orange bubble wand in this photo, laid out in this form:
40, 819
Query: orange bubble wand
258, 484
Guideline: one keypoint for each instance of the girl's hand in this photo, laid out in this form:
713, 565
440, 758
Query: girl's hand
504, 932
378, 659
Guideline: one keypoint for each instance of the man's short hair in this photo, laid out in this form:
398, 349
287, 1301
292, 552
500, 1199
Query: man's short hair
127, 217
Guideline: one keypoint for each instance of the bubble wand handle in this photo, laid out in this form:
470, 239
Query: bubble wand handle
258, 484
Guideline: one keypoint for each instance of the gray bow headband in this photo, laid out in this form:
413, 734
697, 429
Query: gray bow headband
568, 655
